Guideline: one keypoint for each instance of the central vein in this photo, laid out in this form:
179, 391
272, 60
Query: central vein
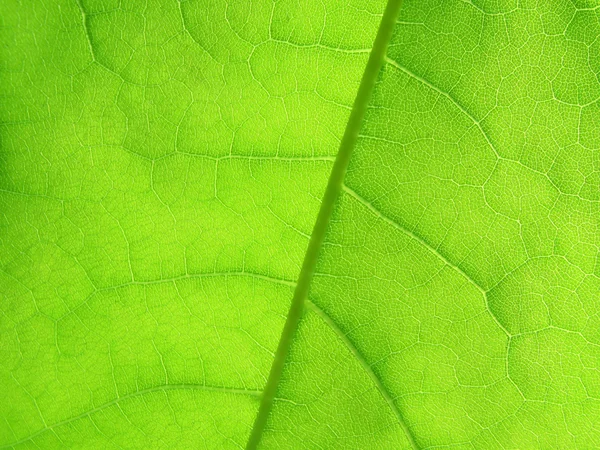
334, 186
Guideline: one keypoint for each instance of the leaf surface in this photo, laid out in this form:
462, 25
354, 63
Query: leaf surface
162, 166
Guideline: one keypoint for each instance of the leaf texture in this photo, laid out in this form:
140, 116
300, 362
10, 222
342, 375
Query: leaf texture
162, 166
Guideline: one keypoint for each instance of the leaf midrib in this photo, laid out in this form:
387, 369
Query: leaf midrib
332, 191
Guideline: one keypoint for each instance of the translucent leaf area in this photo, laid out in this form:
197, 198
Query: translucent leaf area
163, 164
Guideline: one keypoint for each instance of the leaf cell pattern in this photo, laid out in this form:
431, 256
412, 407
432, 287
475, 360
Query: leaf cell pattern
162, 165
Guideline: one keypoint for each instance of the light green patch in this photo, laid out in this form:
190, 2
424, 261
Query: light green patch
162, 166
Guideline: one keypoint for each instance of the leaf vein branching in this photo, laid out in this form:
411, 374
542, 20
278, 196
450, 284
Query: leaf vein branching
334, 187
321, 46
86, 29
477, 124
162, 388
191, 276
422, 80
367, 368
431, 249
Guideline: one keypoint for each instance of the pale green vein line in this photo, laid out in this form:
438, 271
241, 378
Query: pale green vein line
191, 276
321, 46
196, 276
86, 29
422, 80
477, 124
163, 388
334, 187
431, 249
252, 157
367, 368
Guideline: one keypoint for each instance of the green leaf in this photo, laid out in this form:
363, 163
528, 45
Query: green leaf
162, 280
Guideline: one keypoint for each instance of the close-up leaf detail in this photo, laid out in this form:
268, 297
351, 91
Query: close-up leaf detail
300, 224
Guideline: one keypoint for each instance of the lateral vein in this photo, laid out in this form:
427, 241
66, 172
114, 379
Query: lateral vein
431, 249
116, 401
367, 368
